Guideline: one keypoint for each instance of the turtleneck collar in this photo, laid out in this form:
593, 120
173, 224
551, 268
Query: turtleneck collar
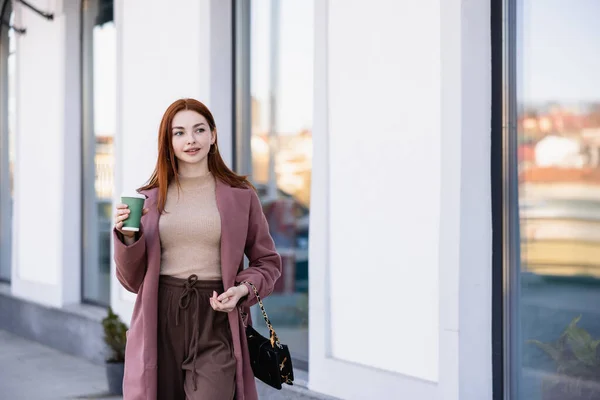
195, 182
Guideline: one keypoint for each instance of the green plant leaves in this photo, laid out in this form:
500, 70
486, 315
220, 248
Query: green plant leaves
574, 352
115, 336
580, 342
550, 349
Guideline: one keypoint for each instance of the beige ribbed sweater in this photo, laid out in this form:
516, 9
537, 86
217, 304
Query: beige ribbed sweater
190, 230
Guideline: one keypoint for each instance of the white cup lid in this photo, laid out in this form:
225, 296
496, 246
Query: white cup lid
133, 194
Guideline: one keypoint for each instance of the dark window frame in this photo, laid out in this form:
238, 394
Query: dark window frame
497, 190
5, 200
505, 186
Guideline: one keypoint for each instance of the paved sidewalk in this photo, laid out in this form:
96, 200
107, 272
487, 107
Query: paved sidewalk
31, 371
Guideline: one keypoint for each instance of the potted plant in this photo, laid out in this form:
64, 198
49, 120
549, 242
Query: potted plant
575, 354
115, 337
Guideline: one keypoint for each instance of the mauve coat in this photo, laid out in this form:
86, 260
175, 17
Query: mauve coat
244, 229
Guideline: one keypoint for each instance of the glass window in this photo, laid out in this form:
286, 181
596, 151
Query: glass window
279, 150
558, 149
7, 158
99, 121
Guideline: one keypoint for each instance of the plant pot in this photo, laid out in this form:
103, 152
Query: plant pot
567, 388
114, 376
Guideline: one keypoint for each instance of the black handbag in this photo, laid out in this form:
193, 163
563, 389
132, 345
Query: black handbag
271, 361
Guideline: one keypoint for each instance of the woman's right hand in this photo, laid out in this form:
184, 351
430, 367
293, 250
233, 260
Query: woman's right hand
121, 215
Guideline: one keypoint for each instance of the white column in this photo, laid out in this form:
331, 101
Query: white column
46, 223
475, 285
401, 127
166, 51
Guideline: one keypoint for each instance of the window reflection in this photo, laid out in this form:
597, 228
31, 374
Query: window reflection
281, 148
99, 87
559, 198
6, 210
12, 103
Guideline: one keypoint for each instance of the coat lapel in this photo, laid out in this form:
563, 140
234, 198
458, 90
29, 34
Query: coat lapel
150, 221
232, 204
233, 207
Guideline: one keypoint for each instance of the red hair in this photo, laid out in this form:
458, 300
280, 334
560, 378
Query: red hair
166, 164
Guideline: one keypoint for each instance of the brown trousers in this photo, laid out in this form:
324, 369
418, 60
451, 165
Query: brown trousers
195, 350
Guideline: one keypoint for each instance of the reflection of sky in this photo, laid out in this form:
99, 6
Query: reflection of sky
559, 50
12, 100
105, 79
296, 62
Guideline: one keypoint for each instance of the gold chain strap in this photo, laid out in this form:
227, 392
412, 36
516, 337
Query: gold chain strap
274, 338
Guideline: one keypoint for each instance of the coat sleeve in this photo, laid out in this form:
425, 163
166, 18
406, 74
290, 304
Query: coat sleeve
265, 263
131, 261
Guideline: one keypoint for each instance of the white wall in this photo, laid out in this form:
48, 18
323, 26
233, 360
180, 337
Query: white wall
400, 265
46, 238
475, 285
166, 52
384, 168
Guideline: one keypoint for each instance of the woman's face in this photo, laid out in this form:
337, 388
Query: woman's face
191, 137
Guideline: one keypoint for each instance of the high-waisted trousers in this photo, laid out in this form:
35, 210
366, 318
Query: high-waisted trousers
195, 350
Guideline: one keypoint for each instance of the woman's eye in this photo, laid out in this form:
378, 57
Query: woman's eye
178, 133
200, 130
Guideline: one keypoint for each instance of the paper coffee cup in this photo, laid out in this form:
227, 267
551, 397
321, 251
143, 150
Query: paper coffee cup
135, 201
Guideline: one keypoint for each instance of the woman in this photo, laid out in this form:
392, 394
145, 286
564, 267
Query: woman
187, 338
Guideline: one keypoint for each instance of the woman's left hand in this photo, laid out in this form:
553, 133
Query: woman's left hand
228, 300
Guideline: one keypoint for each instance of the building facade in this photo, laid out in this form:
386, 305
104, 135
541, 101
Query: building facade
429, 171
